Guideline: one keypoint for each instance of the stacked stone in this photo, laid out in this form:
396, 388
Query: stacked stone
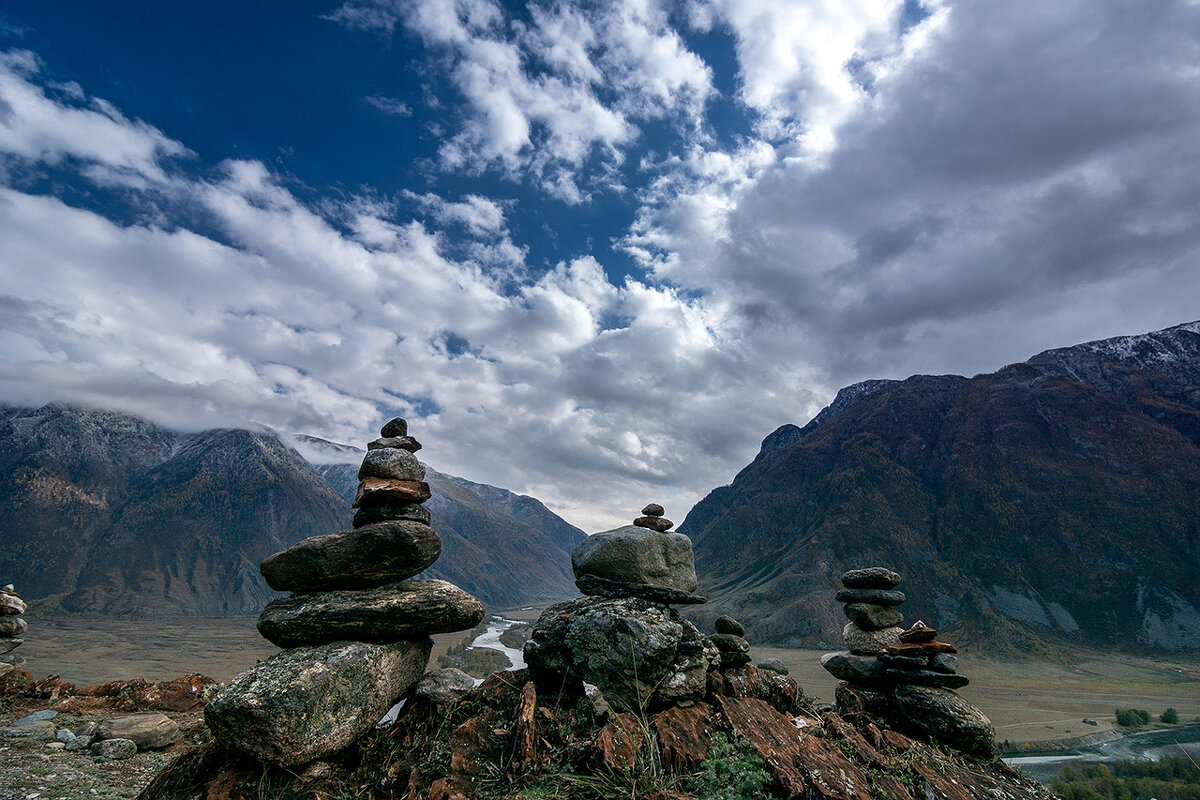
357, 631
906, 676
734, 649
624, 636
11, 627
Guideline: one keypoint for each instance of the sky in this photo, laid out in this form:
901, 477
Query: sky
593, 251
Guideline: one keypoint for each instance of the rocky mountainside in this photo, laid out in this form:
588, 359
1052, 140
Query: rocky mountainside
504, 548
1055, 500
110, 513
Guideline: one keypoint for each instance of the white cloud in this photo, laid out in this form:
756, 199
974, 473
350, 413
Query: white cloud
389, 105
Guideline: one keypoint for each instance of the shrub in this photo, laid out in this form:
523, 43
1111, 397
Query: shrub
1132, 717
1170, 716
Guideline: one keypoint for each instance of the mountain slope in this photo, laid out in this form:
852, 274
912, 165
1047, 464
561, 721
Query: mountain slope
1055, 499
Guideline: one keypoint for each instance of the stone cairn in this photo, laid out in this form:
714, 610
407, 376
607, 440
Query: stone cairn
356, 631
625, 636
11, 627
904, 676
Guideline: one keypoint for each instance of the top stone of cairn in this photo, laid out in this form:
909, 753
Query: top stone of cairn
395, 427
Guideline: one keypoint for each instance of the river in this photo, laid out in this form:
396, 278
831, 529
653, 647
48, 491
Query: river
1151, 745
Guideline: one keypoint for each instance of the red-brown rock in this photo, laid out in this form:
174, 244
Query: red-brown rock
831, 774
921, 649
778, 691
919, 632
525, 736
618, 742
774, 737
684, 734
374, 491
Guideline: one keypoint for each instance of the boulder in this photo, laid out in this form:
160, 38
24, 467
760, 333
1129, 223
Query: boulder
15, 626
391, 462
637, 555
868, 643
602, 587
114, 749
871, 617
634, 651
310, 702
944, 716
406, 610
863, 671
369, 556
870, 578
369, 515
147, 731
11, 605
444, 686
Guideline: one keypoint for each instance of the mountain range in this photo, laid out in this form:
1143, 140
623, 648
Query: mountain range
1053, 502
105, 512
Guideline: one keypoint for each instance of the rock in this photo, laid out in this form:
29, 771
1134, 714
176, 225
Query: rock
397, 426
369, 556
944, 662
727, 624
15, 626
773, 736
13, 661
919, 632
868, 643
602, 587
391, 462
728, 643
375, 491
444, 686
903, 662
36, 731
37, 716
6, 668
921, 649
8, 588
11, 605
870, 578
924, 677
525, 730
684, 734
407, 610
55, 746
947, 718
773, 665
384, 512
660, 524
303, 704
859, 670
634, 651
774, 689
878, 597
65, 736
114, 749
636, 555
860, 704
871, 617
396, 442
653, 510
147, 731
8, 645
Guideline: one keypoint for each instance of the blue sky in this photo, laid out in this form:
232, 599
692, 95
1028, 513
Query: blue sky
594, 251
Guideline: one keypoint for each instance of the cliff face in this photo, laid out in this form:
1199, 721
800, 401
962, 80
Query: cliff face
1054, 499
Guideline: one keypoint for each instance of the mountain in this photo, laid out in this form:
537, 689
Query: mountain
506, 549
1052, 502
110, 513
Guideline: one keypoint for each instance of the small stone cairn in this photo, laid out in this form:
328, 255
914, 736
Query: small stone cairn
625, 636
905, 676
356, 631
11, 627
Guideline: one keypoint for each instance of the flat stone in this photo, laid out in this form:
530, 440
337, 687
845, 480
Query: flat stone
919, 632
385, 512
862, 671
375, 491
944, 662
396, 442
735, 651
397, 426
903, 662
684, 735
8, 645
660, 524
42, 730
15, 626
11, 605
727, 624
924, 677
773, 665
773, 736
869, 643
879, 597
871, 617
385, 614
947, 718
37, 716
870, 578
444, 686
391, 462
602, 587
114, 749
653, 510
921, 649
147, 731
637, 555
372, 555
310, 702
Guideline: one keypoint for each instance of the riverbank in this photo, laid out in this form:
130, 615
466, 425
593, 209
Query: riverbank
1181, 740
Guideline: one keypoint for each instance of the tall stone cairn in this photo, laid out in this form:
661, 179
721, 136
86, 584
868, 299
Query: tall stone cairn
356, 631
905, 676
11, 628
